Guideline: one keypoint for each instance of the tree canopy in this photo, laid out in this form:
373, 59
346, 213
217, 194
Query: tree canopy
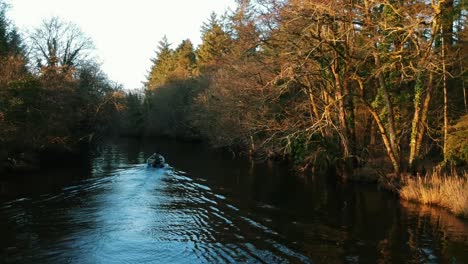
338, 83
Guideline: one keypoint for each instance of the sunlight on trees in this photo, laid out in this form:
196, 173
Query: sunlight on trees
325, 84
339, 83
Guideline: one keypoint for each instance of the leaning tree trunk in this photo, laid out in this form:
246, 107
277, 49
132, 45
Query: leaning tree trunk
385, 138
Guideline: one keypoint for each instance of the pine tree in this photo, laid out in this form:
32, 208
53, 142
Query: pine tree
163, 65
3, 30
10, 40
184, 61
245, 35
215, 43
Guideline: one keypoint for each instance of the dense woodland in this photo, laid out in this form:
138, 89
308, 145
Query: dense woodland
344, 84
325, 84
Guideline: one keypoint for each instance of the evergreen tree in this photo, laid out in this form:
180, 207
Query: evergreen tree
163, 65
3, 30
185, 60
215, 42
10, 40
242, 21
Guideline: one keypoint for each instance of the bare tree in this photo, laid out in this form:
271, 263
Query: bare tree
57, 43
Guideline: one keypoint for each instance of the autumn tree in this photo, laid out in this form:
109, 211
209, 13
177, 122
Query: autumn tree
331, 82
237, 95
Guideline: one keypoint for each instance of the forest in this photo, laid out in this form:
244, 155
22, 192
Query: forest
370, 90
320, 84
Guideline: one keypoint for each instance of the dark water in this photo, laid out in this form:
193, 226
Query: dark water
209, 208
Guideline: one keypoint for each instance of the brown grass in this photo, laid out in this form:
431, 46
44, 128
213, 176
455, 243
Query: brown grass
437, 188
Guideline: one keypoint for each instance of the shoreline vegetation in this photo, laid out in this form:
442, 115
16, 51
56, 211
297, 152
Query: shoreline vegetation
55, 101
374, 91
448, 190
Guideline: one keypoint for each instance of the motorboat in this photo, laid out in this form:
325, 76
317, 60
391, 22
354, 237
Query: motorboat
156, 161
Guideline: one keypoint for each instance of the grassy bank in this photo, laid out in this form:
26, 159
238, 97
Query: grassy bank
437, 188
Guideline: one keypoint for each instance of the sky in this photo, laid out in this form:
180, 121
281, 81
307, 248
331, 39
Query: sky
125, 33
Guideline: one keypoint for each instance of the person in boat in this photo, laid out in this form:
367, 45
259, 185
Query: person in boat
156, 160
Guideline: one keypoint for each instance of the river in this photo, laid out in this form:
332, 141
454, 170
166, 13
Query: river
207, 207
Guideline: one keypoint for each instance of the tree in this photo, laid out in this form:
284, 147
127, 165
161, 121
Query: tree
131, 119
234, 96
12, 50
185, 61
60, 44
322, 80
13, 72
63, 104
163, 65
215, 43
11, 42
169, 90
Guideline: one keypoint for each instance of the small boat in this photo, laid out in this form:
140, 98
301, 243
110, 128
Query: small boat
156, 161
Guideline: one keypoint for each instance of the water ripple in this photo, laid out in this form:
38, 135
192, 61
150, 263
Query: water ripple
129, 213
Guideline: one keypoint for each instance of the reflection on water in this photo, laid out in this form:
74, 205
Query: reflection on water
208, 208
435, 232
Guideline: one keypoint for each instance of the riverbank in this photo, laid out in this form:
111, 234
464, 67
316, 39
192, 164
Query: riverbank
34, 162
428, 185
435, 188
24, 162
440, 189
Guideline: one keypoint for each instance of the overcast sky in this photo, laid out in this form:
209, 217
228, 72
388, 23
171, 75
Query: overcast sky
125, 33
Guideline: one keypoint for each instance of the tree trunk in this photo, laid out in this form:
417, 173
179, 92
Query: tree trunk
415, 126
425, 111
447, 21
351, 120
444, 84
390, 152
418, 127
372, 140
388, 105
389, 139
344, 131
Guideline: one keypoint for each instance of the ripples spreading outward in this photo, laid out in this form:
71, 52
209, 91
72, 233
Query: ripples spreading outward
129, 213
139, 215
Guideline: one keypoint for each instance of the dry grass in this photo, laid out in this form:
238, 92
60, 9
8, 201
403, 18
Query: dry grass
449, 191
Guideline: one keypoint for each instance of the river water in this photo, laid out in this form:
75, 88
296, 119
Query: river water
207, 207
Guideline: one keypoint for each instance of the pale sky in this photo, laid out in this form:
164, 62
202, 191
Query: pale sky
125, 33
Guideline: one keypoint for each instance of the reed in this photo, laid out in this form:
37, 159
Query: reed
438, 188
